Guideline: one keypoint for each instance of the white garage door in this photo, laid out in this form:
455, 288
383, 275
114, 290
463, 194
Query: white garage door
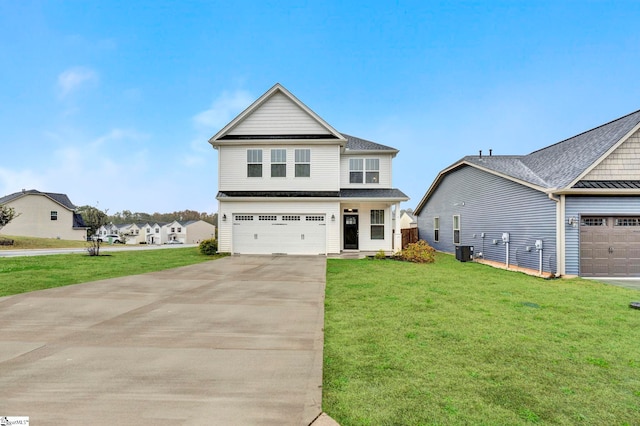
279, 234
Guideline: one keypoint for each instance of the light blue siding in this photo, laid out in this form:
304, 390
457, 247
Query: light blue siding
588, 206
492, 205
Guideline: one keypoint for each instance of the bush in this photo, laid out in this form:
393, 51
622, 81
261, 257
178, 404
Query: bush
380, 255
209, 247
419, 252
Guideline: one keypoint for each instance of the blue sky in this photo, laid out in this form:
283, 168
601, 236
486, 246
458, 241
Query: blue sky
112, 102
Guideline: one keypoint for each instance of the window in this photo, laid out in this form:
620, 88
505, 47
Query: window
179, 229
594, 221
254, 163
436, 229
364, 171
268, 217
303, 162
355, 170
157, 230
315, 219
290, 217
148, 230
456, 229
372, 170
377, 224
173, 229
243, 217
54, 215
627, 221
278, 163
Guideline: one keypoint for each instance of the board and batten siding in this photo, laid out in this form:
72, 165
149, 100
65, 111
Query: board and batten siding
492, 205
324, 176
578, 206
327, 208
385, 171
278, 115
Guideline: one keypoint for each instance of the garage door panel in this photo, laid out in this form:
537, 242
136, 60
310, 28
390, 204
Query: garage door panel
279, 234
610, 246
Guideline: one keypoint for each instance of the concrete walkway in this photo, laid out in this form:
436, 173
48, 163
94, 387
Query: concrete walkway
236, 341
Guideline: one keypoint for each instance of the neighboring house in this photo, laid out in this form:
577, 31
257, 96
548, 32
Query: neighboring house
44, 215
153, 233
407, 220
198, 230
289, 183
579, 199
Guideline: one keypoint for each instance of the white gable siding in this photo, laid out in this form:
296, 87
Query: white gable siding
622, 164
279, 116
324, 173
385, 172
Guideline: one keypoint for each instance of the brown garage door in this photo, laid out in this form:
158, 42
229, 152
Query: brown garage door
610, 246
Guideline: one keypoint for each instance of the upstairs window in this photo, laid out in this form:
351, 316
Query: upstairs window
436, 229
377, 224
372, 170
355, 170
278, 163
364, 170
54, 215
254, 163
303, 162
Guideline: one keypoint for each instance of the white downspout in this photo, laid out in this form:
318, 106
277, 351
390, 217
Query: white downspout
560, 231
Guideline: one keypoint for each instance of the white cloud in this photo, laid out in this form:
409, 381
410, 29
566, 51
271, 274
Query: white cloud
223, 109
72, 79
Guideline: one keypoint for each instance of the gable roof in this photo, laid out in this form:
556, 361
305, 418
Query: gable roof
555, 167
61, 199
331, 133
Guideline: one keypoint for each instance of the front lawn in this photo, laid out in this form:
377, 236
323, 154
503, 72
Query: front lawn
464, 343
29, 273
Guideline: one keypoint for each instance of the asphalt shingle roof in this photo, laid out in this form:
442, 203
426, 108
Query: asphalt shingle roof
359, 144
59, 198
557, 165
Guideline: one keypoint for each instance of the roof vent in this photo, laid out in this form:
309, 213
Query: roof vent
480, 153
490, 152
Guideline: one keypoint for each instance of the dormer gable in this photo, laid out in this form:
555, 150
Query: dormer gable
277, 116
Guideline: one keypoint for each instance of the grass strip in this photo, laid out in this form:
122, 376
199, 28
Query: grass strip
29, 273
464, 343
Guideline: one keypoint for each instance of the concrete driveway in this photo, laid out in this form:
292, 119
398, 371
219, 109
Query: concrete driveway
236, 341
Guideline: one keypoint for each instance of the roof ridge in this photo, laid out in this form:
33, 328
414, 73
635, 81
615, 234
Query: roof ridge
585, 132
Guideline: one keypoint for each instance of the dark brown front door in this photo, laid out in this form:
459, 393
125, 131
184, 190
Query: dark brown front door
350, 232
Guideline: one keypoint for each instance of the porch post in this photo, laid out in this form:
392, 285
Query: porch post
397, 236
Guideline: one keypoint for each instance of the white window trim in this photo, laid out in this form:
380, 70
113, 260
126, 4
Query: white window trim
456, 220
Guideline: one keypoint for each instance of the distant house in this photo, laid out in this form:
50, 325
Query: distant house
290, 183
572, 208
44, 215
407, 220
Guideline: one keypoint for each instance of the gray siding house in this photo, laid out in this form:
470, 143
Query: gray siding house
572, 208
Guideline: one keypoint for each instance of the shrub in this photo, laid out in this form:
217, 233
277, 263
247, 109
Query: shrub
380, 255
419, 252
209, 247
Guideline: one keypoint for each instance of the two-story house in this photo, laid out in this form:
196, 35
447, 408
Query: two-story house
44, 215
289, 183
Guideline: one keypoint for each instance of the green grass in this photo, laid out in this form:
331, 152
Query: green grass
24, 243
464, 343
29, 273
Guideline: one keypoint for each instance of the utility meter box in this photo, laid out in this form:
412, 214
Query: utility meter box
538, 244
505, 237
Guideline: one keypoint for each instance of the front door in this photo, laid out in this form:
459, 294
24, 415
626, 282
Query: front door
351, 232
